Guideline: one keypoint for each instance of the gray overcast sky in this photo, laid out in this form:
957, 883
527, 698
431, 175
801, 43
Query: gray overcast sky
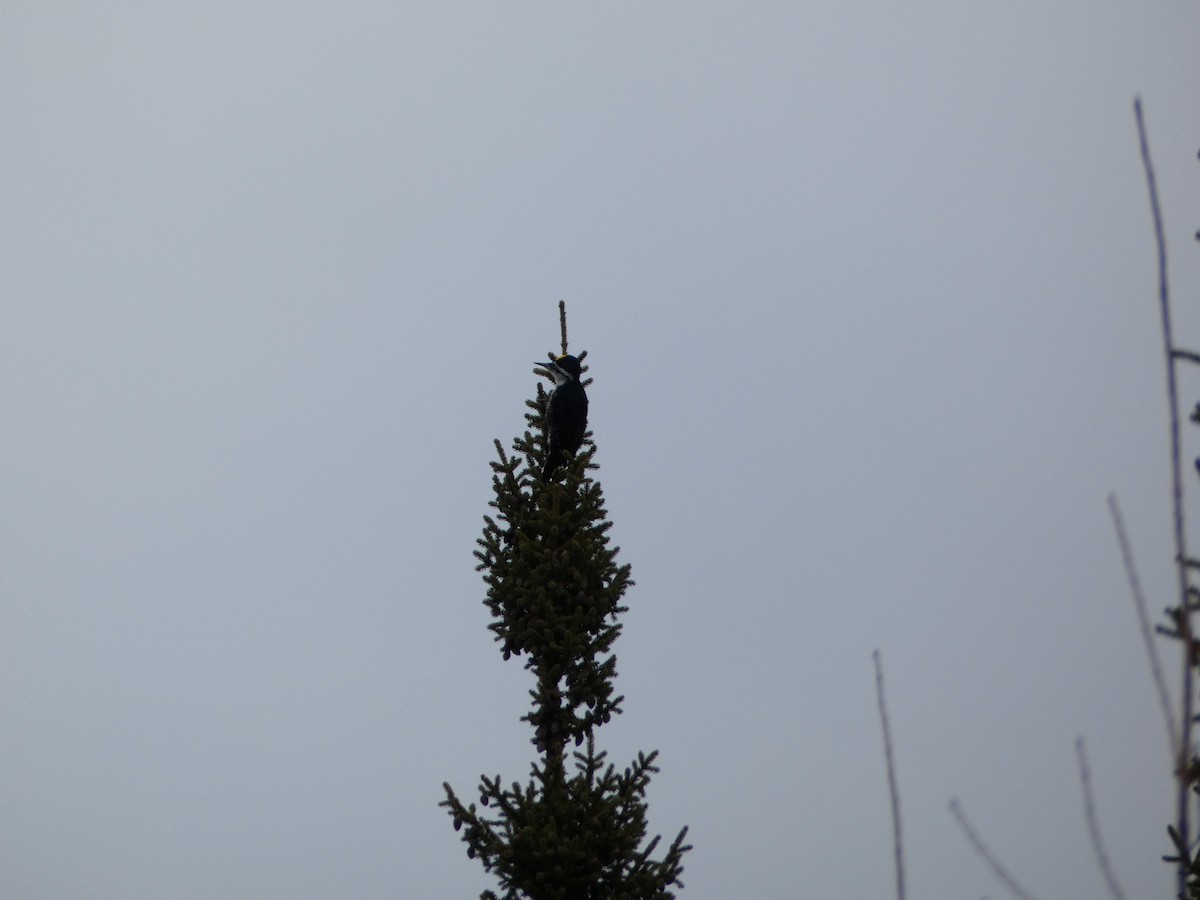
868, 295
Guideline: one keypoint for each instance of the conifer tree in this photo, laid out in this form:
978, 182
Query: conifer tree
576, 829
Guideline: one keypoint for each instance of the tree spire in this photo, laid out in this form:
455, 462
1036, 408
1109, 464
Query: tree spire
575, 830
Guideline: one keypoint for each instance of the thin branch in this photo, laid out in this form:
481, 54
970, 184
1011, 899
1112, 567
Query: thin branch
891, 776
1185, 626
982, 850
1139, 601
1089, 812
562, 323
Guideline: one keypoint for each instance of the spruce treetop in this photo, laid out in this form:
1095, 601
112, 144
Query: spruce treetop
554, 594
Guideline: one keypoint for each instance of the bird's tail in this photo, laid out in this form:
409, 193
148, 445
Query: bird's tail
553, 461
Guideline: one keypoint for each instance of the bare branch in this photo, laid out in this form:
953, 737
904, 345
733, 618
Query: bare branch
982, 850
1139, 600
562, 323
1184, 624
891, 776
1089, 812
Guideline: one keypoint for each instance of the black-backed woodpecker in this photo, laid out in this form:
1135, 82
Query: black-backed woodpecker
566, 411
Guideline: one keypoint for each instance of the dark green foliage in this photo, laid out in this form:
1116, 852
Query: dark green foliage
1185, 858
554, 591
1190, 860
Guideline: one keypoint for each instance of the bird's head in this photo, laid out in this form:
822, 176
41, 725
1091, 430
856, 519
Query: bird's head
562, 369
